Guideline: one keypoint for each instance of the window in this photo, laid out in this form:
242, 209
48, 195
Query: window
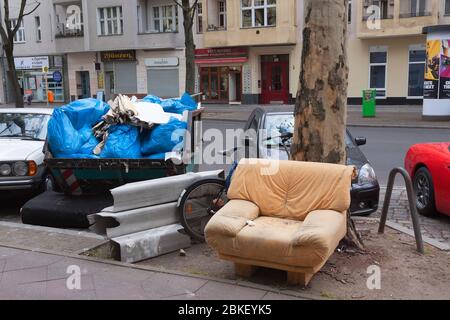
377, 71
199, 17
37, 21
349, 12
222, 14
447, 7
259, 13
110, 21
20, 35
165, 19
417, 60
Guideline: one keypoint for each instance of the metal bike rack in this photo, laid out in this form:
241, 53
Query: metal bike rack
412, 205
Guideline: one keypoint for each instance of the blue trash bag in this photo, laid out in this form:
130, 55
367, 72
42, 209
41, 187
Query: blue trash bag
89, 146
178, 106
164, 138
62, 137
85, 112
123, 143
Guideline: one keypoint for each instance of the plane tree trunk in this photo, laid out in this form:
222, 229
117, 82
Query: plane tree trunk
321, 106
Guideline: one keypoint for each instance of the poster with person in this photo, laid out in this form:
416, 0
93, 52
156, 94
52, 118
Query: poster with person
431, 86
444, 72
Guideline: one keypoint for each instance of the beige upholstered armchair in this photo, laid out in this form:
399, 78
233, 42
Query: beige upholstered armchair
283, 215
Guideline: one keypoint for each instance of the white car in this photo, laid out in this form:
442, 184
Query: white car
22, 137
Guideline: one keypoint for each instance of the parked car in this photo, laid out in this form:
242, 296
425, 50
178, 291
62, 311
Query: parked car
429, 167
365, 190
22, 137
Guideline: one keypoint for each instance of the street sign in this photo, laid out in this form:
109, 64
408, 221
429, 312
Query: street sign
57, 76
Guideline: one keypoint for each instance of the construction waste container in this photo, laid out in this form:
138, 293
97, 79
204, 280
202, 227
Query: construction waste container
369, 103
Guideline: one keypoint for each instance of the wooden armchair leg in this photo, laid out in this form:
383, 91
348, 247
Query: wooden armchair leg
244, 271
302, 279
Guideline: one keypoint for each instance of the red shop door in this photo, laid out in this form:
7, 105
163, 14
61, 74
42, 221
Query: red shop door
275, 82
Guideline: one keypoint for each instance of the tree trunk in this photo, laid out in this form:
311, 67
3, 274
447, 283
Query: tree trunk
12, 76
321, 106
188, 23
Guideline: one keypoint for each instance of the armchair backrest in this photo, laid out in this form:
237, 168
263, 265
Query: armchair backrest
292, 189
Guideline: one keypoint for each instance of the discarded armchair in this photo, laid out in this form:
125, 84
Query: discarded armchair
283, 215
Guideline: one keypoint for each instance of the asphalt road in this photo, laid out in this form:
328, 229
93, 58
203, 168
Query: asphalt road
386, 147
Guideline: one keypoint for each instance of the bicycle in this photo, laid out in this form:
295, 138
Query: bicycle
201, 201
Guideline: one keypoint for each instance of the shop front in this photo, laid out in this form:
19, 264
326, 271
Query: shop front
120, 75
163, 76
220, 71
36, 82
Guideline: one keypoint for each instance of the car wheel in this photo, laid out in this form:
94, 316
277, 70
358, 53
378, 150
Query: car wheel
424, 188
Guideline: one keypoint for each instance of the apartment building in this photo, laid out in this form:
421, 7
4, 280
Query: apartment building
248, 51
110, 46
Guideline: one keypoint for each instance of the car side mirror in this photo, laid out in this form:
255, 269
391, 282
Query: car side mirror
361, 141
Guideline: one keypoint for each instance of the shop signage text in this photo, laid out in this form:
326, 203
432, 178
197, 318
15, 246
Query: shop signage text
30, 63
213, 53
162, 62
110, 56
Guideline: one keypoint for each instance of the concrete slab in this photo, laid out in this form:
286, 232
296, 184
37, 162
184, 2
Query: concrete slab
153, 243
119, 224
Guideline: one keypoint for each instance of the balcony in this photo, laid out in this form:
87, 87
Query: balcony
393, 18
230, 25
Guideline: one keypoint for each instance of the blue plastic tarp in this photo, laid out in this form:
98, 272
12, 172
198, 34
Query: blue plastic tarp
164, 138
70, 127
123, 143
178, 106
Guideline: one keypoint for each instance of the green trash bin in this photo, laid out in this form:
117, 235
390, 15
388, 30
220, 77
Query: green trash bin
369, 103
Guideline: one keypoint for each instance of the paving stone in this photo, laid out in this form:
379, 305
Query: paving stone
171, 285
220, 291
27, 260
437, 228
277, 296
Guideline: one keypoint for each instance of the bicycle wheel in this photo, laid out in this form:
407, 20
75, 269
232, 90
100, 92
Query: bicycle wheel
199, 203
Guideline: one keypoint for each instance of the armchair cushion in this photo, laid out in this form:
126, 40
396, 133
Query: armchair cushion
232, 218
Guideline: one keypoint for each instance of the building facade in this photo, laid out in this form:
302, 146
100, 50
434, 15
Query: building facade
248, 51
108, 46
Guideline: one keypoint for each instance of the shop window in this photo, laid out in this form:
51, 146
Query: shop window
447, 7
165, 19
417, 60
110, 21
259, 13
377, 71
20, 35
200, 17
349, 12
37, 21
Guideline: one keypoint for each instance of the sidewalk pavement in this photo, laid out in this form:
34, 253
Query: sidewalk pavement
407, 116
32, 275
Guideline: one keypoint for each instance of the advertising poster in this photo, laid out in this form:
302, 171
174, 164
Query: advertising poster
431, 86
444, 72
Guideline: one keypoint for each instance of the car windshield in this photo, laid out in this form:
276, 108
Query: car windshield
24, 126
276, 125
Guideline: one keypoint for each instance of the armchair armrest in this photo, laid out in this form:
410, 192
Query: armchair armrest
322, 230
232, 218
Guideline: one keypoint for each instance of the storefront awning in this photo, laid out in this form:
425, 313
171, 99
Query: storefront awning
224, 61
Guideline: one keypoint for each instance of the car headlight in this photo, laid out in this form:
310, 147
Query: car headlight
367, 175
5, 170
20, 168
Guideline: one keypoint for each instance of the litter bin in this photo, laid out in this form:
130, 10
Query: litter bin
369, 103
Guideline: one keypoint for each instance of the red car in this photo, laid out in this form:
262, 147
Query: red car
429, 167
